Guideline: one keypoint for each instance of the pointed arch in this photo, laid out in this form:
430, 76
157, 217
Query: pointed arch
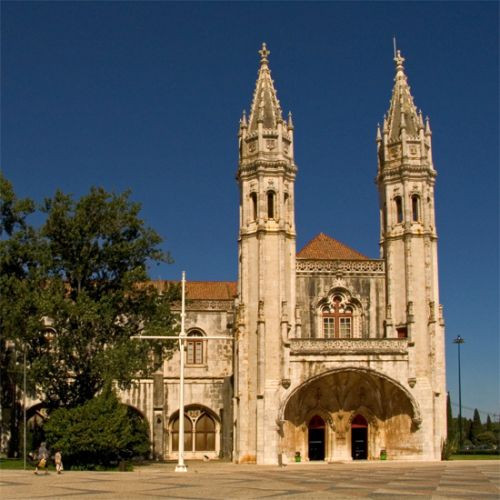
416, 416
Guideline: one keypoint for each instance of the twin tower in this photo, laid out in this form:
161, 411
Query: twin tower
337, 356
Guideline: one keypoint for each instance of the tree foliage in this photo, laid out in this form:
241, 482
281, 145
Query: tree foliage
99, 433
476, 427
75, 290
18, 275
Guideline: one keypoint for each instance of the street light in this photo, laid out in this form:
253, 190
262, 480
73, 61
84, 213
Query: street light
181, 467
459, 340
24, 408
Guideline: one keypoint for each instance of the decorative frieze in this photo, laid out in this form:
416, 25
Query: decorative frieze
345, 346
209, 305
334, 266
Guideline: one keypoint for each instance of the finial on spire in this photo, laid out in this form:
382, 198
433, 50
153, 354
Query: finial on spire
427, 126
379, 135
243, 120
290, 121
420, 119
264, 53
399, 60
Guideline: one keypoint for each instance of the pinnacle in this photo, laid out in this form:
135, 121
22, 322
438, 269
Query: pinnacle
265, 107
402, 113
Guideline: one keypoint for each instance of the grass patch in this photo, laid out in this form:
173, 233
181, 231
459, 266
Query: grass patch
17, 464
475, 457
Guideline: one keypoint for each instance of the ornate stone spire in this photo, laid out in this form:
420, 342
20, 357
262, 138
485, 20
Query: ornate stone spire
265, 106
402, 114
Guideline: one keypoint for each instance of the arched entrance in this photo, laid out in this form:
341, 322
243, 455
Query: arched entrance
359, 438
316, 435
389, 413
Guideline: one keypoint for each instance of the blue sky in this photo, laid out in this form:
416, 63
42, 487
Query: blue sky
147, 96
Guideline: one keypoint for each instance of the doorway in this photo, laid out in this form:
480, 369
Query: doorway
316, 430
359, 438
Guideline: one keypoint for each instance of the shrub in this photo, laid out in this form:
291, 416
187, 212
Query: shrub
101, 433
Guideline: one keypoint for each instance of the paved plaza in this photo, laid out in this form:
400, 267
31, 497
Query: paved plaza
385, 480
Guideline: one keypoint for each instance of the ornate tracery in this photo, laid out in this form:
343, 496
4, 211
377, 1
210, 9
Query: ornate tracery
339, 315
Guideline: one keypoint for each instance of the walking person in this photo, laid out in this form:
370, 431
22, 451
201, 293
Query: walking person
42, 457
58, 461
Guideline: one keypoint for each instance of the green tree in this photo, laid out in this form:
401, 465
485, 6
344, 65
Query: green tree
100, 432
19, 270
81, 287
489, 424
476, 428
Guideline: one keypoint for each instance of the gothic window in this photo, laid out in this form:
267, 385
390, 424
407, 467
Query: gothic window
270, 204
194, 348
337, 319
253, 197
285, 203
399, 209
328, 324
415, 207
188, 434
199, 431
205, 433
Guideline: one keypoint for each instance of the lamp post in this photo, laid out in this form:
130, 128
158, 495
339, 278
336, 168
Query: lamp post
459, 340
181, 467
24, 408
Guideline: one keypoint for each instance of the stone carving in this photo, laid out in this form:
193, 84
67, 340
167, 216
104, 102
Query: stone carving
260, 312
329, 346
209, 305
334, 266
285, 383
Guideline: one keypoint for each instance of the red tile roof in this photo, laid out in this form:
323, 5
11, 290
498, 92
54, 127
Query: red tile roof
211, 290
206, 290
322, 247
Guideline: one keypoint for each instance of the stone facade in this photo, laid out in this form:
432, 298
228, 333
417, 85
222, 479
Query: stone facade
328, 354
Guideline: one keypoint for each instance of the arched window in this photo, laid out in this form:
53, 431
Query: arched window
415, 207
205, 433
188, 434
194, 354
399, 209
285, 205
270, 204
199, 431
337, 319
253, 197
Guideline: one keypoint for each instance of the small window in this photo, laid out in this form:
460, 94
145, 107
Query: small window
415, 207
194, 354
345, 328
270, 204
399, 209
328, 327
253, 197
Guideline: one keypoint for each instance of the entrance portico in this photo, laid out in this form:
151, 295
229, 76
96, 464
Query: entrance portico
350, 414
